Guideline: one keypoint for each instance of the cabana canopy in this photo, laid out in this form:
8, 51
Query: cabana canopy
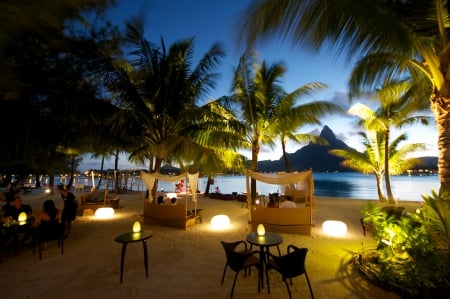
150, 178
298, 180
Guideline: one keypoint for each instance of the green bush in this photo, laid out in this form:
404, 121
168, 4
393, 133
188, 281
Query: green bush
412, 250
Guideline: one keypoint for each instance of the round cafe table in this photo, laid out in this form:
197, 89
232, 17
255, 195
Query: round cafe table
131, 237
264, 242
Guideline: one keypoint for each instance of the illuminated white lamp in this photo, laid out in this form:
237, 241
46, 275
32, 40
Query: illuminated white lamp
47, 191
136, 227
220, 222
104, 213
260, 230
257, 202
22, 218
334, 228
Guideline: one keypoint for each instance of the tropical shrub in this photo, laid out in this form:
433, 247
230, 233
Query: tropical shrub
411, 256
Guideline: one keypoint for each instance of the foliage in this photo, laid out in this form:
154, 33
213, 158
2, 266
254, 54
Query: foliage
409, 256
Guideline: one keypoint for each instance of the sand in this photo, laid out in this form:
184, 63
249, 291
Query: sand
184, 264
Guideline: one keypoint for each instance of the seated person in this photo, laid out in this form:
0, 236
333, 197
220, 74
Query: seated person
160, 200
272, 203
173, 201
287, 202
16, 208
48, 223
217, 190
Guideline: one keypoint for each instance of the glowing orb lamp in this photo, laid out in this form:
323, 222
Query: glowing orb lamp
104, 213
260, 230
136, 227
334, 228
220, 222
257, 202
22, 218
47, 191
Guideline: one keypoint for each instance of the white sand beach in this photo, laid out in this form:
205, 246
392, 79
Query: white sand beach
184, 264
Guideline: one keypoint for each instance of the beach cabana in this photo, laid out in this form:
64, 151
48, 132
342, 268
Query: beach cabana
299, 185
170, 215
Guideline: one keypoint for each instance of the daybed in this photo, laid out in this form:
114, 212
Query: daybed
294, 220
170, 215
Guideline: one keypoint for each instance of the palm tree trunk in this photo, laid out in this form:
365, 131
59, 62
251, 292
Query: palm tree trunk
381, 196
101, 173
439, 105
287, 164
387, 177
254, 167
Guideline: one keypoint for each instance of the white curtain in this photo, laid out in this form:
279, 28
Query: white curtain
302, 179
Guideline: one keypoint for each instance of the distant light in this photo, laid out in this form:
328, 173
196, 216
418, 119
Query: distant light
47, 191
334, 228
220, 222
104, 213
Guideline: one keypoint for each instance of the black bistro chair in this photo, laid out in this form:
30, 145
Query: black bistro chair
55, 232
290, 265
238, 260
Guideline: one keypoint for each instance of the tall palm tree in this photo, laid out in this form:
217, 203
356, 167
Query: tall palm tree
256, 96
397, 108
371, 161
290, 116
159, 93
398, 36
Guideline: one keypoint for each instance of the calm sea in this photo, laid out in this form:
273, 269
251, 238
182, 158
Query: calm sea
348, 185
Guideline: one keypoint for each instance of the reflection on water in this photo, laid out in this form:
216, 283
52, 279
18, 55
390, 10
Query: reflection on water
349, 185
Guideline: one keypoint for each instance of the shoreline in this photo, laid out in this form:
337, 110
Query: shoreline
186, 264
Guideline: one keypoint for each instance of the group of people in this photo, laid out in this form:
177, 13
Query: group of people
284, 202
48, 222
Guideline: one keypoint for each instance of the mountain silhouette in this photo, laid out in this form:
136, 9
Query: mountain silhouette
317, 158
311, 156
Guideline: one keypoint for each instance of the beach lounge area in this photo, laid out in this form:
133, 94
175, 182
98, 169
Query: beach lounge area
185, 263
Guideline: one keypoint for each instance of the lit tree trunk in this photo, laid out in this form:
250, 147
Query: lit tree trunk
387, 177
254, 167
101, 173
441, 107
381, 196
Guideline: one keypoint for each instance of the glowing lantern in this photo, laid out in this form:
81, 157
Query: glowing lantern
260, 230
136, 227
22, 218
220, 222
104, 213
334, 228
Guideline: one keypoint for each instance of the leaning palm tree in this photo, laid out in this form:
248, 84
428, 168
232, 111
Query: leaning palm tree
396, 36
371, 161
397, 109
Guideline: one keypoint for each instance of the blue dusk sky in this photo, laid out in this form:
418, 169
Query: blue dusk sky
212, 22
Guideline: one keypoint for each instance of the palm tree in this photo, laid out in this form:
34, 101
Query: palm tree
371, 161
396, 36
290, 117
397, 108
159, 94
256, 96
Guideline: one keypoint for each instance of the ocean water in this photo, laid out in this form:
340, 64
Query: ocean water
349, 185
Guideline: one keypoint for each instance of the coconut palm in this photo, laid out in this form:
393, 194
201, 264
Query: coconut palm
256, 96
291, 116
398, 36
371, 161
159, 94
397, 108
